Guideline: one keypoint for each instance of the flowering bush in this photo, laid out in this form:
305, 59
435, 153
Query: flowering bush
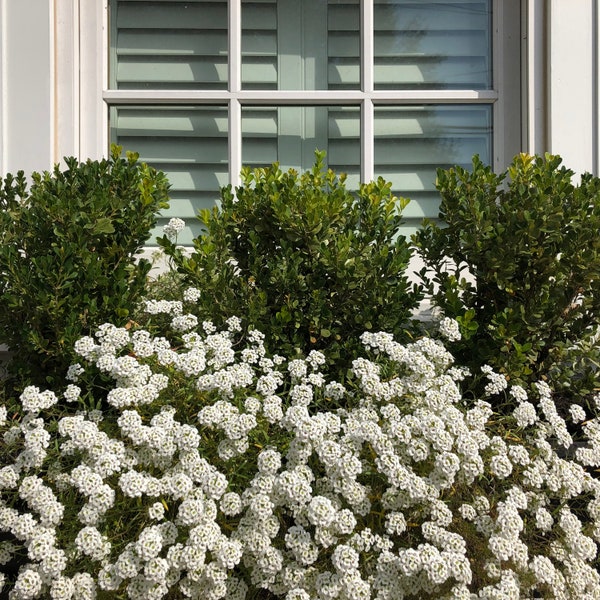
216, 471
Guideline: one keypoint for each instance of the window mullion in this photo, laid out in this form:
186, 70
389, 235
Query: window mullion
367, 158
235, 141
367, 46
235, 86
235, 46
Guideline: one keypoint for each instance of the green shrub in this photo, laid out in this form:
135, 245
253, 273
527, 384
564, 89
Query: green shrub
68, 256
302, 259
529, 240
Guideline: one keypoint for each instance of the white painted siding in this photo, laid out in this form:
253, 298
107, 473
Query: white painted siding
573, 83
26, 49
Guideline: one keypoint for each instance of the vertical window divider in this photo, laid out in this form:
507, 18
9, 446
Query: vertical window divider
234, 60
367, 65
367, 144
497, 84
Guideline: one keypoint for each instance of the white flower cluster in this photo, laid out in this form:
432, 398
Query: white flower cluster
405, 492
450, 329
173, 228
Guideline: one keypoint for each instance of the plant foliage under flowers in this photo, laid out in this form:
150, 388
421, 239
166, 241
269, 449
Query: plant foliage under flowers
218, 471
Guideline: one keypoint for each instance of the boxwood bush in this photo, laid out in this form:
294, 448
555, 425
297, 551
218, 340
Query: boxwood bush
68, 262
303, 259
517, 263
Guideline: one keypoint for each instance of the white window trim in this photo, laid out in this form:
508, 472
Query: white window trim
80, 77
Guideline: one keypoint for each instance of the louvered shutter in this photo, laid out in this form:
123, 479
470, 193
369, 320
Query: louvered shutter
301, 45
430, 45
411, 142
291, 134
174, 45
169, 44
189, 144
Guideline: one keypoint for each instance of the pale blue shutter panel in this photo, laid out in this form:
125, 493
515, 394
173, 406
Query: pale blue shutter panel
190, 144
291, 134
168, 44
343, 48
301, 45
433, 45
259, 45
174, 45
411, 142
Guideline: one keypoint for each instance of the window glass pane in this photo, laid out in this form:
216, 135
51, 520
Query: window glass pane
411, 142
433, 44
291, 134
189, 144
169, 44
300, 44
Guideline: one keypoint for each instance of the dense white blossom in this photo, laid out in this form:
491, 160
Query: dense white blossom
449, 329
269, 476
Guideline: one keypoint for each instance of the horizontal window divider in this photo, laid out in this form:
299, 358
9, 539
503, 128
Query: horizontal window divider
300, 97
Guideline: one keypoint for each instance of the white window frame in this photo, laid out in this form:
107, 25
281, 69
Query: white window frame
80, 76
504, 97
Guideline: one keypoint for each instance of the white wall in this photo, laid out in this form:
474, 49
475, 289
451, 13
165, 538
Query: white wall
27, 100
573, 83
52, 71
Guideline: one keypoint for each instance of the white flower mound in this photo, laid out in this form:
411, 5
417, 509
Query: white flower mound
390, 487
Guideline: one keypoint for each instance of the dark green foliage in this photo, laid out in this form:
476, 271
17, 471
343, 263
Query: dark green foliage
67, 256
303, 260
529, 239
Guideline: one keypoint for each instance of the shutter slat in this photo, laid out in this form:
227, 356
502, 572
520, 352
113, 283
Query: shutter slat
260, 70
344, 44
192, 71
438, 44
343, 75
201, 42
259, 16
343, 17
464, 73
172, 15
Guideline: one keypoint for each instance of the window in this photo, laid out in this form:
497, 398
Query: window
394, 88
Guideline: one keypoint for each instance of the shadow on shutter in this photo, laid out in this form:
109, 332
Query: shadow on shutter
189, 144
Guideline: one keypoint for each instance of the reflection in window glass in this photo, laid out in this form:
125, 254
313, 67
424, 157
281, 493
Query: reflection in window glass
435, 45
411, 142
